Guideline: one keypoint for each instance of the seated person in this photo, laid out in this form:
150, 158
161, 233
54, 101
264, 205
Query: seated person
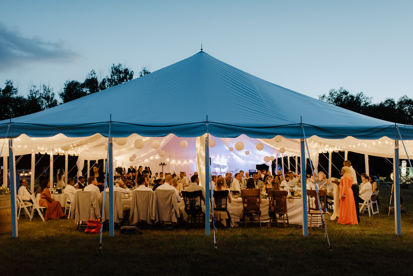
373, 184
142, 184
81, 184
167, 186
259, 184
92, 186
251, 184
53, 207
70, 190
194, 186
220, 186
158, 182
365, 189
322, 181
285, 184
236, 183
23, 192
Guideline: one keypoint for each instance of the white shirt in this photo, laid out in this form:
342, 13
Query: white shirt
365, 190
235, 186
70, 191
143, 188
193, 187
92, 188
167, 186
285, 184
24, 193
353, 175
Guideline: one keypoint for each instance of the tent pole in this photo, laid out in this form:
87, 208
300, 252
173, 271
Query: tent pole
51, 170
88, 169
207, 196
304, 189
296, 164
276, 163
396, 186
289, 163
330, 154
14, 230
5, 169
346, 155
110, 176
32, 172
66, 168
282, 164
366, 163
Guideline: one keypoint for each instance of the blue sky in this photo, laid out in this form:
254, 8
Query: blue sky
307, 46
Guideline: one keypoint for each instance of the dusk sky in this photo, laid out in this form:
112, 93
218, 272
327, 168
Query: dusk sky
307, 46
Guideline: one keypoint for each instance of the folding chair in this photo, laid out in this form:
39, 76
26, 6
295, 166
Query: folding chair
37, 207
374, 202
366, 205
24, 205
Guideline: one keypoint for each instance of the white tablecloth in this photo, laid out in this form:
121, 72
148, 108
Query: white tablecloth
235, 209
61, 198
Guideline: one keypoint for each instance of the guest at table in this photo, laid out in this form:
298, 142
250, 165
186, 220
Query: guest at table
347, 213
220, 186
251, 184
373, 184
322, 181
365, 188
167, 186
278, 178
183, 180
259, 184
61, 179
92, 186
228, 179
194, 186
99, 176
236, 183
142, 184
354, 187
139, 172
70, 190
80, 183
53, 207
23, 192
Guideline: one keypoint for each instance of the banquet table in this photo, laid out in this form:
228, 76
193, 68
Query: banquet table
61, 198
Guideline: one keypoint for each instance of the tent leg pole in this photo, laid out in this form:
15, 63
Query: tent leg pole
296, 164
88, 169
304, 189
346, 155
110, 176
330, 154
32, 172
396, 189
51, 170
289, 163
66, 168
282, 163
366, 163
14, 230
207, 194
5, 169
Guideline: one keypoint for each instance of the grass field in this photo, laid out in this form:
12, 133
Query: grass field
56, 247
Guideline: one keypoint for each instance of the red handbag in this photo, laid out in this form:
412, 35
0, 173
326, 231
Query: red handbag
93, 226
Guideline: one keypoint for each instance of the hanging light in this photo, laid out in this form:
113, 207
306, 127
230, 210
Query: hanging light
259, 146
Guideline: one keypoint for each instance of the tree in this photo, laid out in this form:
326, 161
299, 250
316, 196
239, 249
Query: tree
345, 99
118, 74
11, 105
71, 91
91, 83
144, 72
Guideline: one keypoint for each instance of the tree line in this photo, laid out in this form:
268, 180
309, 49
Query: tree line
42, 97
400, 111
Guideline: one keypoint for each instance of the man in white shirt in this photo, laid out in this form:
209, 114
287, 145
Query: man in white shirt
236, 183
366, 189
183, 180
168, 186
142, 184
70, 190
23, 192
194, 186
92, 186
259, 184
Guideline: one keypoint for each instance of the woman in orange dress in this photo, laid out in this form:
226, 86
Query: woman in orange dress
347, 214
53, 207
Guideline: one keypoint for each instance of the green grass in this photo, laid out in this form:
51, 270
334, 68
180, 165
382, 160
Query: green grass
56, 247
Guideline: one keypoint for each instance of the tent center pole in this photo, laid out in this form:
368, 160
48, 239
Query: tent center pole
207, 192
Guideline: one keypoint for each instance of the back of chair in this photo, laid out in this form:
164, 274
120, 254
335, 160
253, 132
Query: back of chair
142, 206
251, 199
280, 198
166, 205
221, 200
374, 195
192, 201
313, 203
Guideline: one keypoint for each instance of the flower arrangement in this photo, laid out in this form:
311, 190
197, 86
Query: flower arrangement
4, 191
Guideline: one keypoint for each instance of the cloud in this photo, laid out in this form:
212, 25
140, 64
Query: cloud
16, 50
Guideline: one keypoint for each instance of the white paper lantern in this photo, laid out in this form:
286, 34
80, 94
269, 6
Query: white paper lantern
184, 143
132, 157
212, 143
267, 159
66, 147
162, 153
260, 146
272, 158
282, 150
247, 152
139, 143
156, 144
230, 148
121, 141
239, 146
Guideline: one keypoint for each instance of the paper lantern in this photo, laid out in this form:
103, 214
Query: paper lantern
212, 143
139, 143
247, 152
239, 146
156, 144
260, 146
272, 158
277, 139
230, 148
132, 157
66, 147
162, 153
267, 159
282, 150
121, 141
184, 143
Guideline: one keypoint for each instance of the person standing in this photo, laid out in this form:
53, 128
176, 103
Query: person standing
347, 214
354, 187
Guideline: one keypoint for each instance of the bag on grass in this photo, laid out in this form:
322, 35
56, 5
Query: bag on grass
93, 226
